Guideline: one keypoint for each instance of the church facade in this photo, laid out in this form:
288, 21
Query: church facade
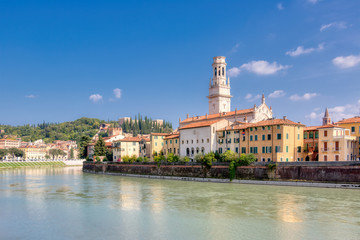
197, 134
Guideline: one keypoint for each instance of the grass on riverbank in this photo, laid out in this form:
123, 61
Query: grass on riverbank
31, 164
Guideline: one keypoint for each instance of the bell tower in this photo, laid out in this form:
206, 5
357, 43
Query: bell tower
326, 118
219, 88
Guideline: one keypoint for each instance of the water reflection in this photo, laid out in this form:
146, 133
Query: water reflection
134, 208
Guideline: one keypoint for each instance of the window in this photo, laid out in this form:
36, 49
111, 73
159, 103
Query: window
155, 143
243, 150
278, 126
287, 149
269, 159
170, 141
305, 135
251, 149
208, 140
269, 128
263, 149
325, 133
192, 141
278, 136
215, 71
237, 150
228, 132
256, 138
287, 136
176, 141
269, 137
352, 129
255, 150
251, 129
202, 140
187, 141
243, 138
197, 140
277, 149
255, 128
166, 141
263, 137
298, 136
336, 157
263, 128
251, 138
316, 134
299, 149
325, 158
287, 159
220, 150
223, 72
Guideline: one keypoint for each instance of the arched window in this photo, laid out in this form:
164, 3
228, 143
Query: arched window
197, 150
215, 72
187, 152
223, 71
192, 151
202, 150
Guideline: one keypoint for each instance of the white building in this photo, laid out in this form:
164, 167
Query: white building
200, 137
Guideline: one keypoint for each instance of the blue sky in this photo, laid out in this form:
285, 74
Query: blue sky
61, 60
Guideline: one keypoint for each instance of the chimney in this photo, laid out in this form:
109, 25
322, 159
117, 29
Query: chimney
284, 117
187, 115
206, 115
179, 120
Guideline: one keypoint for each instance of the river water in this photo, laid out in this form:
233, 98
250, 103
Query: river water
64, 203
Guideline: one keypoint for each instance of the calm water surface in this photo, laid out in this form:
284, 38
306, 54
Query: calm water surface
64, 203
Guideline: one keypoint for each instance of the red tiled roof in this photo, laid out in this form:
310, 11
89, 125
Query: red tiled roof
311, 128
172, 136
200, 124
159, 134
330, 126
218, 115
130, 139
262, 124
350, 120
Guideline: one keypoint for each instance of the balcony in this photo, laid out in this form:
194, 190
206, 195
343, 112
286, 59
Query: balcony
336, 149
324, 149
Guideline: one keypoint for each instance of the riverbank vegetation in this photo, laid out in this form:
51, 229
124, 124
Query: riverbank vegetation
31, 164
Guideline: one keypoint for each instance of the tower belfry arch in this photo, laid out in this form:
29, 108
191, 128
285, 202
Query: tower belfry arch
219, 88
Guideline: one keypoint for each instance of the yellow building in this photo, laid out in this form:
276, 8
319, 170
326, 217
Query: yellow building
171, 144
336, 144
157, 143
353, 124
33, 152
276, 140
126, 147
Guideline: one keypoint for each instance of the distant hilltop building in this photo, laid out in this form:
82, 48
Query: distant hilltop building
326, 118
159, 122
220, 101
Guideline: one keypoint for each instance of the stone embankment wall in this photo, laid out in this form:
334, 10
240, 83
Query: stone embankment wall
347, 173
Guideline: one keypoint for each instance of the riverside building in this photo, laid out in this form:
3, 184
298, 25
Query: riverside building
273, 140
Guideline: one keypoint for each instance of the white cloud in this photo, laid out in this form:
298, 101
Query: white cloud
233, 72
277, 94
258, 67
95, 97
306, 96
314, 115
346, 111
30, 96
117, 92
340, 25
235, 48
300, 50
251, 98
280, 6
346, 62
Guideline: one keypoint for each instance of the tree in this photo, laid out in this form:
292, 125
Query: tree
71, 153
84, 142
109, 154
3, 153
55, 152
170, 158
100, 148
15, 152
229, 156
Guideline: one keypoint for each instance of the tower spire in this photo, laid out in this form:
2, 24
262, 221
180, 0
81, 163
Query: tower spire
326, 118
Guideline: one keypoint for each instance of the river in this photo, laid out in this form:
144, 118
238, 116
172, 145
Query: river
65, 203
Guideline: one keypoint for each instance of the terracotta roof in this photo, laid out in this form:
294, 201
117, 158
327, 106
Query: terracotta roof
350, 120
218, 115
330, 126
311, 128
172, 136
146, 139
200, 124
263, 124
130, 139
160, 134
